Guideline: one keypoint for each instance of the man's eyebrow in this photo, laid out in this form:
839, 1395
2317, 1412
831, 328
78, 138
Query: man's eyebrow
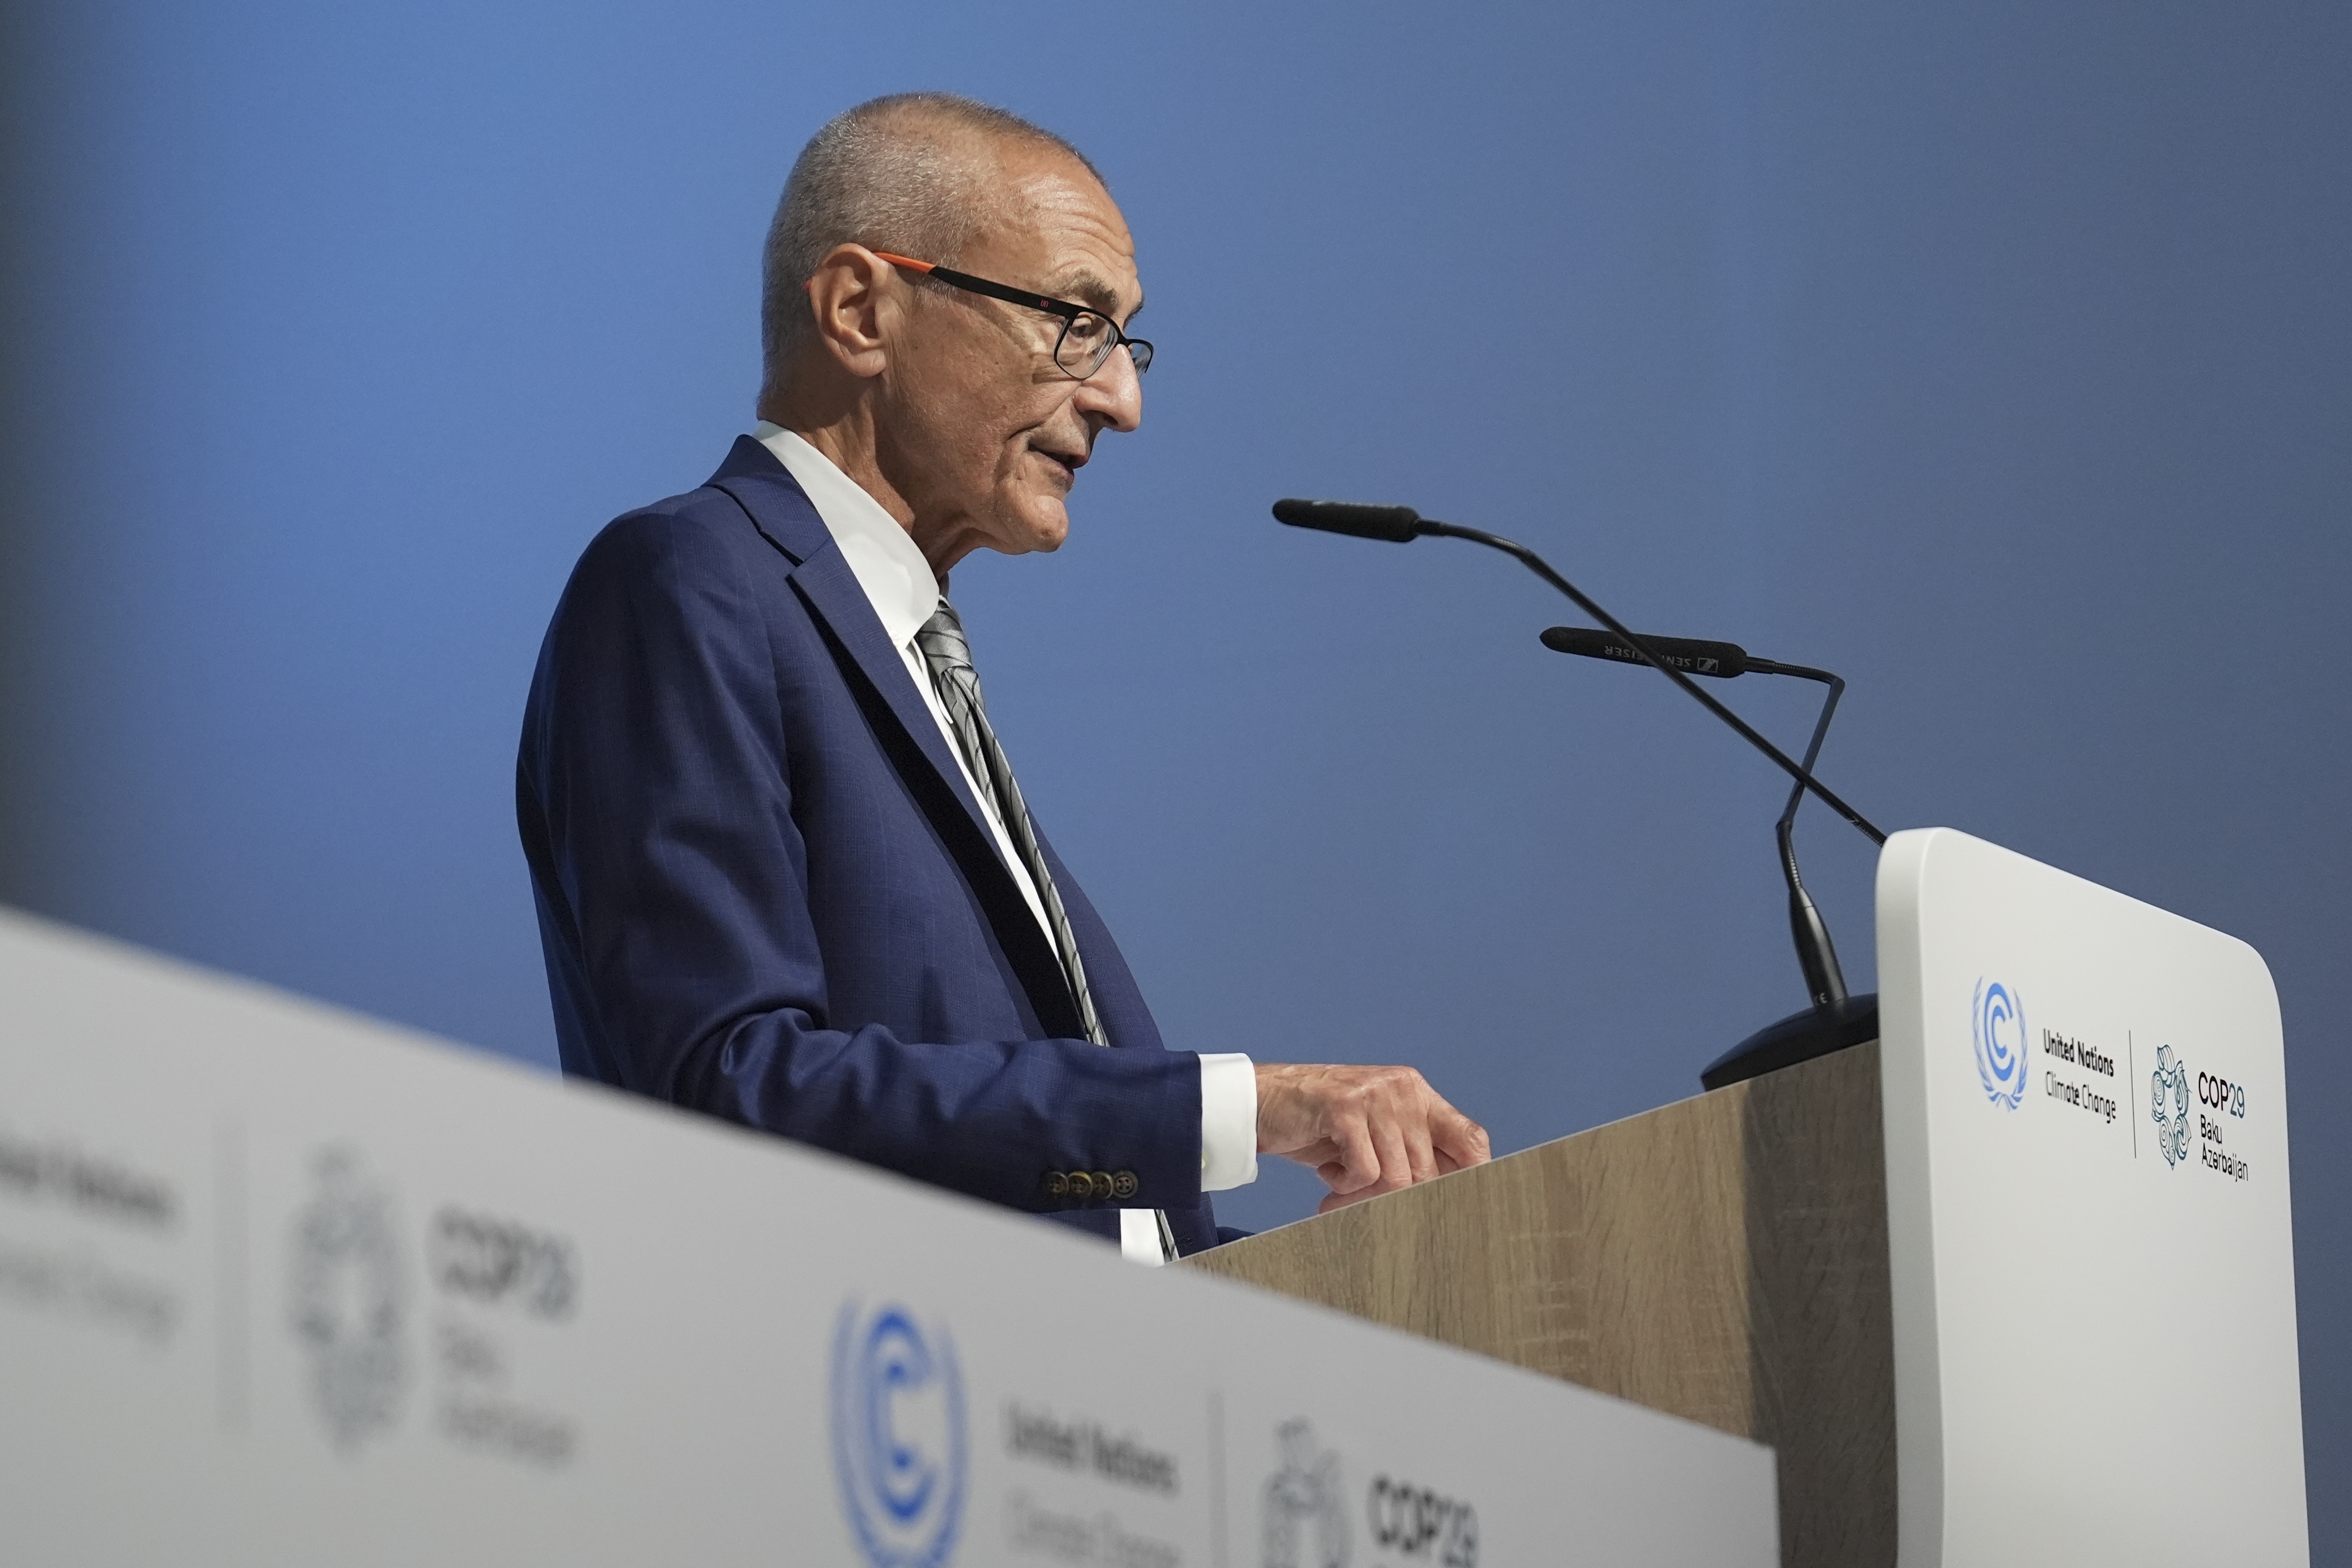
1090, 290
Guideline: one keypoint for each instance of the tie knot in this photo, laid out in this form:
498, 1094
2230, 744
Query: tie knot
941, 638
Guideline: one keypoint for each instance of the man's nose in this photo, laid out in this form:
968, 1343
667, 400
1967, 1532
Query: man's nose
1114, 395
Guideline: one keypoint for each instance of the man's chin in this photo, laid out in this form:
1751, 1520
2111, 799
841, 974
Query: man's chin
1039, 527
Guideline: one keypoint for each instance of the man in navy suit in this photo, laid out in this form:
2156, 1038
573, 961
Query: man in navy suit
784, 871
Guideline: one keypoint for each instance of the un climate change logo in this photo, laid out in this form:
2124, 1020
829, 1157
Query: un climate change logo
2001, 1043
898, 1436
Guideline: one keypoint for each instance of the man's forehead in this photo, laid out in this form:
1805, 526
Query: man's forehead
1065, 225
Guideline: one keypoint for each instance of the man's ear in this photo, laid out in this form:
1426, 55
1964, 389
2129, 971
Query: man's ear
851, 298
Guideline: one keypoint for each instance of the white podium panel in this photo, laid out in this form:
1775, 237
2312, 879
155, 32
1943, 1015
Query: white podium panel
279, 1285
2093, 1266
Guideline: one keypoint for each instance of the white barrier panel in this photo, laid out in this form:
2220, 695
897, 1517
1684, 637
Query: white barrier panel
279, 1285
2093, 1266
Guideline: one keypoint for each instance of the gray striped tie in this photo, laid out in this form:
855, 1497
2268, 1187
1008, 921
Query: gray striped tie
947, 654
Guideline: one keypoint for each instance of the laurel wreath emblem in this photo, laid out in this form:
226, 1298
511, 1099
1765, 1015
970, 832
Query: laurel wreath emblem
2001, 1057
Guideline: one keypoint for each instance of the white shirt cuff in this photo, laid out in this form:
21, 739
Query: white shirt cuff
1228, 1121
1138, 1236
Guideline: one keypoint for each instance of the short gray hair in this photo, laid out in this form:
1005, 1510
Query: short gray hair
896, 173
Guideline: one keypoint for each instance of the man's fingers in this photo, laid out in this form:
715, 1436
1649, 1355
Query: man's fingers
1364, 1130
1419, 1152
1447, 1164
1396, 1163
1321, 1151
1360, 1160
1462, 1139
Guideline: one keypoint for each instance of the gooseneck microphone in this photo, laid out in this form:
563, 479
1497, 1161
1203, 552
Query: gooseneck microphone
1834, 1021
1721, 660
1402, 525
1398, 525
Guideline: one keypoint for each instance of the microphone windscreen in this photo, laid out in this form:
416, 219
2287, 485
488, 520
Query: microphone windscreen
1398, 525
1691, 655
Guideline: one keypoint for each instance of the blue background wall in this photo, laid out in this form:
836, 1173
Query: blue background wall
1996, 356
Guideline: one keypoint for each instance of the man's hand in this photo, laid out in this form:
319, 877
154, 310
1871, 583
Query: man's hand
1366, 1130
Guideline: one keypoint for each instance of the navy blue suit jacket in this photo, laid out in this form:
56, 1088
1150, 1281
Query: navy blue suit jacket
765, 891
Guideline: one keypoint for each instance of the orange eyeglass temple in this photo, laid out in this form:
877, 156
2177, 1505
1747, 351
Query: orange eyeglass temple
893, 260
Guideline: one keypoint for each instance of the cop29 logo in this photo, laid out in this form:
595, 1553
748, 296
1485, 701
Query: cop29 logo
2001, 1058
1303, 1517
347, 1298
2167, 1105
898, 1436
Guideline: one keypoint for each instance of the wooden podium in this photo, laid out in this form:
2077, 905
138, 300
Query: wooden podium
1960, 1278
1722, 1258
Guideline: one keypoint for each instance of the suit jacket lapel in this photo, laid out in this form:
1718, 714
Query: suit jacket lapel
899, 717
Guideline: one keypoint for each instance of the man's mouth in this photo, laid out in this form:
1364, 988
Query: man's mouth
1069, 461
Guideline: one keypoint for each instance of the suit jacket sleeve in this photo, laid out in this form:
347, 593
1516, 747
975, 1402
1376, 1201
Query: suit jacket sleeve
656, 792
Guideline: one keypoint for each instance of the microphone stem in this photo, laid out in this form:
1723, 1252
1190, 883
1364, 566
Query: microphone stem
1816, 954
1836, 684
1537, 564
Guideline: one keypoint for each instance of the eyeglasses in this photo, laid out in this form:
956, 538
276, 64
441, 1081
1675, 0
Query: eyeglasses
1088, 336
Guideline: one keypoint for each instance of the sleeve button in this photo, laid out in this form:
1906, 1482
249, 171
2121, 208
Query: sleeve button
1057, 1183
1123, 1185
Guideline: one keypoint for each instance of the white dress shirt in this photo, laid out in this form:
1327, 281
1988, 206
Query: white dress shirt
898, 583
